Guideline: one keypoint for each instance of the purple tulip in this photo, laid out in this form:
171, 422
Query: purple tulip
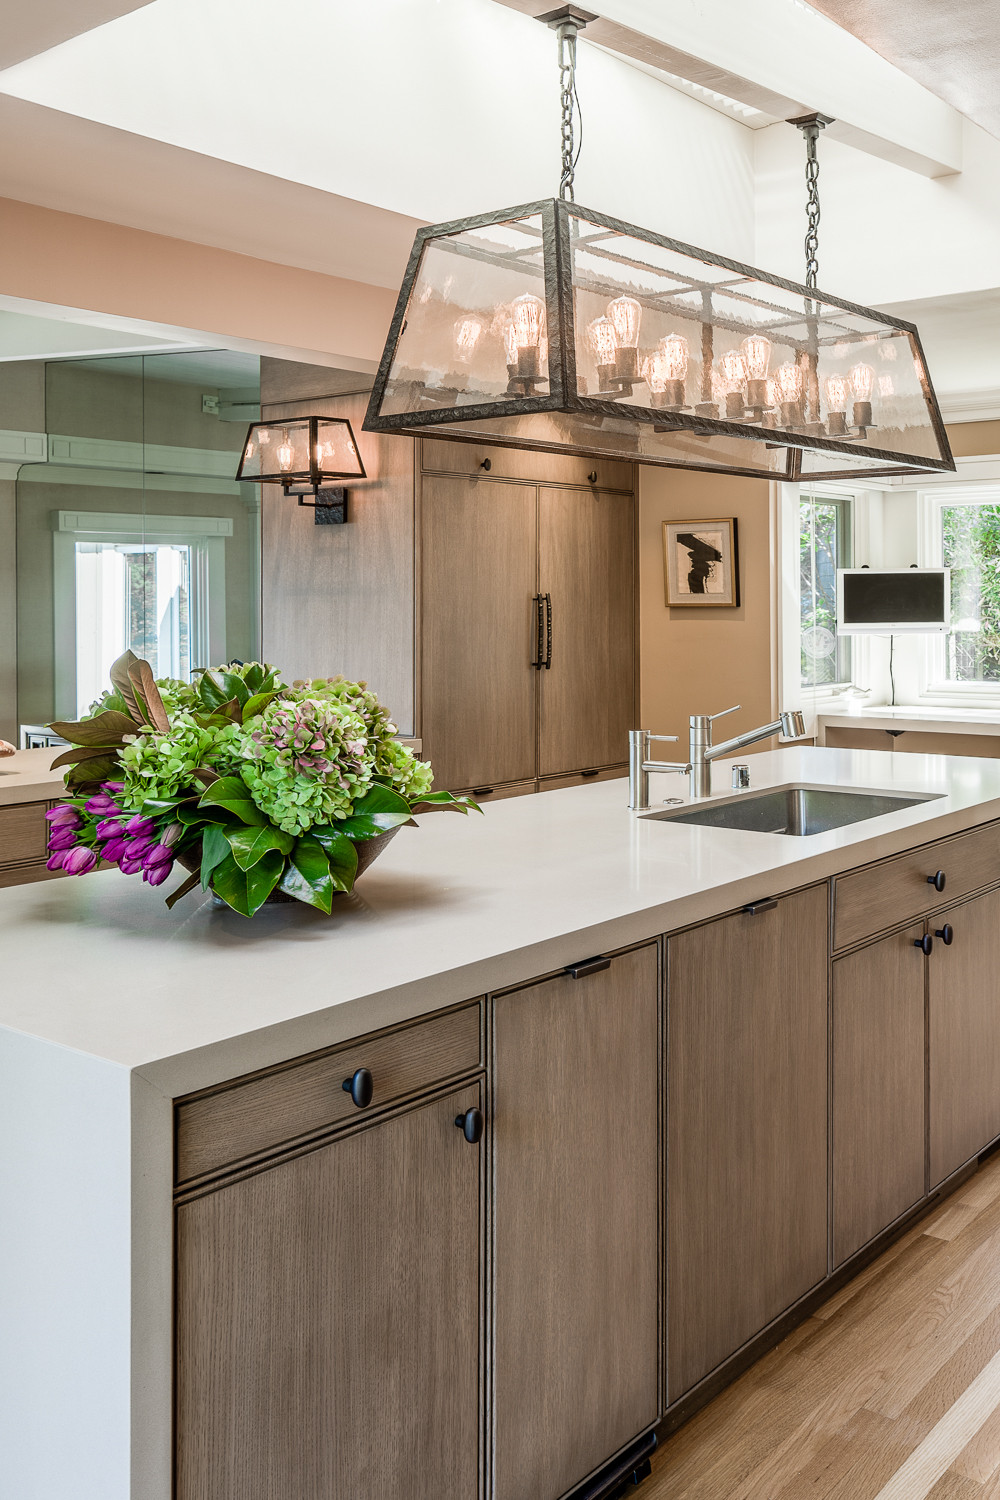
112, 787
171, 834
136, 848
61, 838
158, 873
158, 854
102, 805
139, 826
109, 828
113, 850
63, 816
79, 861
55, 861
130, 866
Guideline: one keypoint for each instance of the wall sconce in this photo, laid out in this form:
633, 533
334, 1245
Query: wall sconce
303, 454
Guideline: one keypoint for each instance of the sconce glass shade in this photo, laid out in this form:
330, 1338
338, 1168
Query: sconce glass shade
302, 454
595, 337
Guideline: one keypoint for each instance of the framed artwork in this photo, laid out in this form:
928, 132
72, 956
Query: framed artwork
701, 564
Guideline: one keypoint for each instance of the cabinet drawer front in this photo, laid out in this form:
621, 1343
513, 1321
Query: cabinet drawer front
898, 889
267, 1112
498, 793
582, 778
22, 832
445, 457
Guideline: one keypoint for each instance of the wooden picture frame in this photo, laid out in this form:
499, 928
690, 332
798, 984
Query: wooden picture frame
701, 567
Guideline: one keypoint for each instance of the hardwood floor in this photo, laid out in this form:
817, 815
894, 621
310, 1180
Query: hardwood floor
891, 1391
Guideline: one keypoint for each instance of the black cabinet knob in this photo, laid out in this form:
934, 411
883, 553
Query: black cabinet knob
486, 464
936, 880
946, 934
360, 1086
925, 944
471, 1125
592, 476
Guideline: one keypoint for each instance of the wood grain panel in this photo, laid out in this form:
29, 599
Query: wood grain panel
271, 1110
478, 581
341, 598
747, 1126
896, 889
586, 562
499, 793
879, 1056
22, 832
964, 1035
441, 456
328, 1321
582, 778
576, 1224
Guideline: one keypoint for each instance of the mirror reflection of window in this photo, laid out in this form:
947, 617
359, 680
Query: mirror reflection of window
131, 596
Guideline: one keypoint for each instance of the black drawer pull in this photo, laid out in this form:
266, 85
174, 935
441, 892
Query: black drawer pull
946, 934
925, 944
361, 1087
591, 773
471, 1125
482, 791
937, 880
588, 966
753, 907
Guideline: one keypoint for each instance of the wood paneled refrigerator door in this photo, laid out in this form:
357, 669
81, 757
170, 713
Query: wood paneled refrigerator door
576, 1234
586, 565
328, 1315
964, 1042
478, 584
746, 1127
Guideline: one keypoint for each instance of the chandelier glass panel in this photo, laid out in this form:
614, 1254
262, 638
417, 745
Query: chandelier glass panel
554, 327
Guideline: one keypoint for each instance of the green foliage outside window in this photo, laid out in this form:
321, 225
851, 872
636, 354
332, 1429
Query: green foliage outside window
824, 546
970, 547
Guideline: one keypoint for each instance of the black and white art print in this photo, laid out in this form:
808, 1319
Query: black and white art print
701, 564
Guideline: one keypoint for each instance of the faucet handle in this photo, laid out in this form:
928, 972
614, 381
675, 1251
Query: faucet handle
663, 738
712, 717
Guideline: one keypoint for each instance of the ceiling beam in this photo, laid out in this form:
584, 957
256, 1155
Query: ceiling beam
30, 29
784, 59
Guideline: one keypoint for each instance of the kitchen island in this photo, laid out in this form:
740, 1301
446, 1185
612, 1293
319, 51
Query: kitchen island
689, 1067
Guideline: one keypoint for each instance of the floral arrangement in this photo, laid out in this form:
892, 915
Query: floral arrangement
254, 786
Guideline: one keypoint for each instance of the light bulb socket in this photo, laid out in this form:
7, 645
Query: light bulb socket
671, 398
606, 375
627, 363
735, 407
791, 413
862, 414
527, 363
757, 394
836, 423
770, 419
707, 409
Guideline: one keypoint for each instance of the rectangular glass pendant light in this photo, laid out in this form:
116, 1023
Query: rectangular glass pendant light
554, 327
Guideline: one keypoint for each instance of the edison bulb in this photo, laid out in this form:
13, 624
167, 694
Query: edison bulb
734, 371
248, 452
285, 454
468, 332
756, 351
626, 315
603, 340
836, 393
674, 349
510, 344
788, 379
654, 372
528, 316
665, 371
862, 382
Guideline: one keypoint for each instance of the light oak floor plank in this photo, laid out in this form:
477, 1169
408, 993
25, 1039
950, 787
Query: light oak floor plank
890, 1391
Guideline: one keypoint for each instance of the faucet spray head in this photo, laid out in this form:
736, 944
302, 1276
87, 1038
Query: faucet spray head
793, 726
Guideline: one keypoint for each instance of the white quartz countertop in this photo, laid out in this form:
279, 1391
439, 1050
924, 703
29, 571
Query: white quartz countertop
192, 996
25, 776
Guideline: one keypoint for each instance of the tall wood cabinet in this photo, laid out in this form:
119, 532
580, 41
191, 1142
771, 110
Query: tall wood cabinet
527, 603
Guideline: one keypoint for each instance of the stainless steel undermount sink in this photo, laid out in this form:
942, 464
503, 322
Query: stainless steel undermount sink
797, 810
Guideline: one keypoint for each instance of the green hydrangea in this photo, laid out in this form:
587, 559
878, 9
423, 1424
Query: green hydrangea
393, 762
161, 765
398, 765
305, 760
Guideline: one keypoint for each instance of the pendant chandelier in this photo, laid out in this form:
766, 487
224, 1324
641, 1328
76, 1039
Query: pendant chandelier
555, 327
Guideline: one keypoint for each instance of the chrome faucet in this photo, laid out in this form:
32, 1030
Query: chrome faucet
701, 751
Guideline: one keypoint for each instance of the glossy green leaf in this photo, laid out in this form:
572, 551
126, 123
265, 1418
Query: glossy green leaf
257, 704
247, 890
446, 799
381, 808
342, 855
235, 687
91, 772
214, 849
230, 793
210, 693
251, 844
103, 729
308, 877
193, 815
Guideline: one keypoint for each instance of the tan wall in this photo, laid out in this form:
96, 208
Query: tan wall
54, 257
698, 660
971, 438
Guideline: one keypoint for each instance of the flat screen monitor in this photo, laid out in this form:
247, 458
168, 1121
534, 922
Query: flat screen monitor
890, 601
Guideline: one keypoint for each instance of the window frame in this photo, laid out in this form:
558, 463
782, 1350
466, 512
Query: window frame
813, 700
935, 687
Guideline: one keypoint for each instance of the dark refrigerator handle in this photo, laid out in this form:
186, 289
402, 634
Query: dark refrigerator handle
537, 657
548, 631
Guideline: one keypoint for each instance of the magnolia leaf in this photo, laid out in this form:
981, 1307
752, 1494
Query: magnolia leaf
214, 849
342, 855
257, 704
251, 844
155, 807
121, 680
191, 814
93, 771
246, 890
446, 799
142, 680
77, 754
308, 877
230, 793
380, 809
205, 775
235, 687
182, 890
209, 691
104, 729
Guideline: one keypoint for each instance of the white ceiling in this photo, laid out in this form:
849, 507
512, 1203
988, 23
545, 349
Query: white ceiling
963, 353
951, 47
29, 28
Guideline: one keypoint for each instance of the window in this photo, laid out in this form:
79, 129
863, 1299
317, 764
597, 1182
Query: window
962, 532
825, 544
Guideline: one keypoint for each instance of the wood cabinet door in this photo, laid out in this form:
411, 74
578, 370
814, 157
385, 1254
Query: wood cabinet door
879, 1054
586, 547
964, 1042
328, 1313
478, 554
576, 1212
746, 1127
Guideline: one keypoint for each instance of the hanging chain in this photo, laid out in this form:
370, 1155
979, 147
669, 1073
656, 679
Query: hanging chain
566, 23
810, 126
